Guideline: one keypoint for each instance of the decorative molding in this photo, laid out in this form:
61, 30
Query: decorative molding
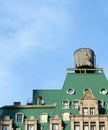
88, 95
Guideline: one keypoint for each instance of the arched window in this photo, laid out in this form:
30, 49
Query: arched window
44, 118
19, 117
66, 116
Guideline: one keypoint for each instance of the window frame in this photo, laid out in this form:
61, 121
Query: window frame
66, 117
85, 111
56, 120
16, 117
41, 120
75, 104
92, 110
6, 127
55, 124
93, 125
65, 104
101, 125
76, 125
29, 125
85, 126
31, 121
6, 122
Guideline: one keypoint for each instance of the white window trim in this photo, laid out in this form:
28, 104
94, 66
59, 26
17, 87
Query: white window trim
68, 119
41, 117
73, 106
64, 105
85, 111
19, 113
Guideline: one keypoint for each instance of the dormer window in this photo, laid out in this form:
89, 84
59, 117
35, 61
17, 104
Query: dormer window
65, 104
5, 127
75, 104
44, 118
6, 123
30, 126
55, 126
31, 123
56, 123
66, 116
19, 117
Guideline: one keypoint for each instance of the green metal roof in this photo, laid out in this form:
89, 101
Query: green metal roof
49, 96
80, 82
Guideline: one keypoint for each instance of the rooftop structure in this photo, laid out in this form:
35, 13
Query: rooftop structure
80, 104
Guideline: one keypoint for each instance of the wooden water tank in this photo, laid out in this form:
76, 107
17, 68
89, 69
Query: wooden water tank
84, 58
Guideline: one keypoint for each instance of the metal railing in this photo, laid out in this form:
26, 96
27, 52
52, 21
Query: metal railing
85, 70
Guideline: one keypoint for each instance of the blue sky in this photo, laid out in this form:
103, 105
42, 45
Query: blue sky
38, 39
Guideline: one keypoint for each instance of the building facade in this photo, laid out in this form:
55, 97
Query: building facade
81, 104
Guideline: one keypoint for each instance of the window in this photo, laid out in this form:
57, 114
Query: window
30, 127
76, 126
101, 126
19, 117
103, 91
6, 123
56, 123
65, 104
44, 117
31, 123
66, 116
70, 91
55, 126
75, 104
93, 126
85, 126
5, 127
92, 111
85, 111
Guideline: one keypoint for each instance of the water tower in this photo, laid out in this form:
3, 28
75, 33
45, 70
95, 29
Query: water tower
85, 59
